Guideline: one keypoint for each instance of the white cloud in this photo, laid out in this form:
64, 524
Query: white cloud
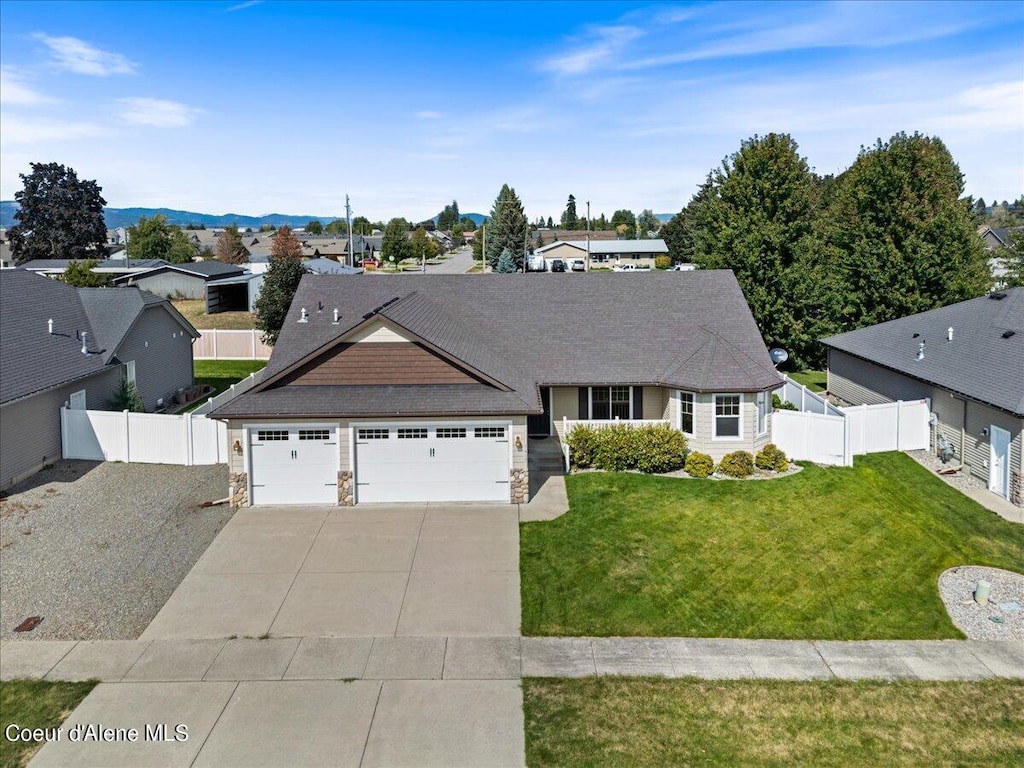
428, 115
19, 130
78, 56
13, 90
242, 6
157, 112
607, 44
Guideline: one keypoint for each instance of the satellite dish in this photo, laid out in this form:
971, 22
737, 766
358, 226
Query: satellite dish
778, 355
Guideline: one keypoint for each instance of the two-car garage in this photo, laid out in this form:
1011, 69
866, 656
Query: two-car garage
465, 461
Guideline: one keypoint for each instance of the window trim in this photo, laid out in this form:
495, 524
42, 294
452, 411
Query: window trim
715, 417
762, 398
129, 371
681, 395
610, 387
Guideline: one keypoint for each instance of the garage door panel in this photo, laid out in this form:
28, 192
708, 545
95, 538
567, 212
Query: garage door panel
293, 470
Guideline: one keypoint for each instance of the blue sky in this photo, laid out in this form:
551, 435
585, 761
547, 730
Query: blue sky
288, 106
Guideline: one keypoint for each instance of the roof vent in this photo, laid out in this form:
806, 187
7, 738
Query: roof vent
49, 326
949, 333
914, 336
304, 317
336, 317
998, 295
1008, 334
85, 344
920, 351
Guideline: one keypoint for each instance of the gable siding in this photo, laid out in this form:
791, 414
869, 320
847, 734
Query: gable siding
173, 285
162, 352
377, 333
387, 363
30, 428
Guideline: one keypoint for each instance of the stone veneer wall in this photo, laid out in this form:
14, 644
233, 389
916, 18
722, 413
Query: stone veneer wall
346, 497
520, 482
238, 489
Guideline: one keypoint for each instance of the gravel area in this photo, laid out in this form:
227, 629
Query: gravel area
958, 480
956, 586
96, 549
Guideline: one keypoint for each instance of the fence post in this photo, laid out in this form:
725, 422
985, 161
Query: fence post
214, 344
899, 409
63, 432
252, 344
847, 441
189, 449
127, 436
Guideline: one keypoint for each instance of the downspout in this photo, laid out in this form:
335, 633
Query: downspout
963, 430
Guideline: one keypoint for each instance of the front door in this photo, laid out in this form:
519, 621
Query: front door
999, 461
540, 426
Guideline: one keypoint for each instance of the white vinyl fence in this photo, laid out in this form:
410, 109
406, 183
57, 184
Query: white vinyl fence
230, 345
230, 393
828, 439
147, 438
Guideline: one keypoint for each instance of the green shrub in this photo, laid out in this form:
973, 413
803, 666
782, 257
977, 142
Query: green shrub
582, 443
770, 457
782, 405
699, 465
662, 262
737, 464
126, 398
650, 448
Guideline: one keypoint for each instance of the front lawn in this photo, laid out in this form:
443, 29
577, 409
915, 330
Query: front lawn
816, 381
194, 311
829, 553
34, 704
221, 374
620, 721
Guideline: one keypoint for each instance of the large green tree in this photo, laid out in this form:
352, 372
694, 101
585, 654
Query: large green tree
315, 227
570, 220
395, 246
624, 222
286, 245
280, 282
80, 274
153, 238
753, 217
229, 247
647, 222
899, 235
449, 217
59, 216
507, 228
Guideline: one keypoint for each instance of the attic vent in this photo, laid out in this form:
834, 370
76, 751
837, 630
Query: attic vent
1008, 334
373, 312
998, 296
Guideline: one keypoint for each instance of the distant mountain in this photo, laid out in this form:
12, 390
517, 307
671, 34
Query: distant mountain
478, 218
124, 217
663, 217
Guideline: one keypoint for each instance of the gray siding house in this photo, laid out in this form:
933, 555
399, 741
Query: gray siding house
124, 332
968, 360
181, 281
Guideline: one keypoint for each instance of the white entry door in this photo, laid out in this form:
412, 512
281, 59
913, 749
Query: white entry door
432, 462
999, 461
294, 464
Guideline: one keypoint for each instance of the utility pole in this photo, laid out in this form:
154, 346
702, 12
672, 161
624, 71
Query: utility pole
348, 219
588, 235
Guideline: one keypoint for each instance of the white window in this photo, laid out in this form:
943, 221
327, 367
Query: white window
728, 423
314, 434
130, 371
488, 431
445, 433
611, 403
268, 435
762, 412
417, 433
373, 434
686, 403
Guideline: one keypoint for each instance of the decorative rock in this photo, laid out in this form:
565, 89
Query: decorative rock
346, 498
519, 481
238, 489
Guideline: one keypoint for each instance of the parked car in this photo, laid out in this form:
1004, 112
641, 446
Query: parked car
578, 265
629, 268
557, 265
684, 267
536, 263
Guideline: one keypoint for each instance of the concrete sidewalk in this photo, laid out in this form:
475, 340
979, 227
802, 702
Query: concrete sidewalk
505, 658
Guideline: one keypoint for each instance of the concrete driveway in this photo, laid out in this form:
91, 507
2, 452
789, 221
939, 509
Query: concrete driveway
375, 571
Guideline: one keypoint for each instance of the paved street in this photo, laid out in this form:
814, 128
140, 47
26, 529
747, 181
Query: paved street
458, 263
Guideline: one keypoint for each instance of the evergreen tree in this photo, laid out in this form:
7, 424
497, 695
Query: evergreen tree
315, 227
550, 224
507, 228
980, 209
286, 245
280, 282
59, 216
647, 222
506, 263
569, 218
80, 274
229, 247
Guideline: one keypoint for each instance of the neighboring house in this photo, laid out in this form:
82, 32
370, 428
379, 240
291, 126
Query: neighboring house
967, 359
113, 267
181, 281
606, 253
997, 241
330, 267
426, 389
125, 332
545, 236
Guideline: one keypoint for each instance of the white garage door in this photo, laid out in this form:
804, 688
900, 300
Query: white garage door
294, 464
443, 462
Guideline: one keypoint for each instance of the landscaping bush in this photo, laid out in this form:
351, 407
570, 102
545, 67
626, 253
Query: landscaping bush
582, 443
771, 457
662, 262
126, 398
699, 465
782, 405
737, 464
650, 448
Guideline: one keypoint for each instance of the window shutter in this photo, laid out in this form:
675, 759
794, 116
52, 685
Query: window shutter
584, 403
638, 402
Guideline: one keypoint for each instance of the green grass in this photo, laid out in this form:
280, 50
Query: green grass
194, 311
816, 381
34, 704
645, 722
221, 374
829, 553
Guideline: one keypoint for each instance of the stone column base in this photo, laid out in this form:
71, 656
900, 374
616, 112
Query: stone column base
346, 493
520, 485
238, 489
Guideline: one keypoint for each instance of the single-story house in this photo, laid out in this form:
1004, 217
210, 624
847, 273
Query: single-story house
606, 253
968, 360
61, 345
427, 389
114, 267
181, 281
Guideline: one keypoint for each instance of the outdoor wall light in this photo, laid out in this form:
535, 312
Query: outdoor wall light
519, 443
237, 447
